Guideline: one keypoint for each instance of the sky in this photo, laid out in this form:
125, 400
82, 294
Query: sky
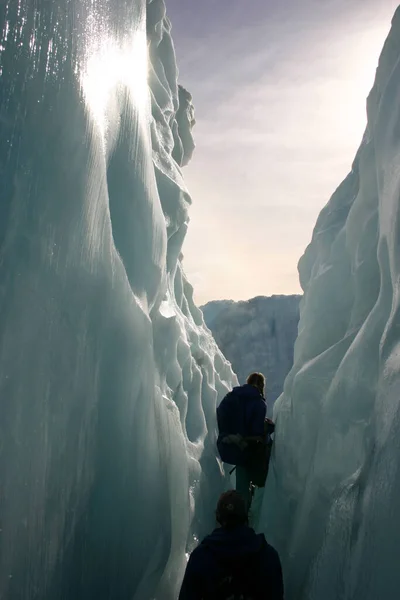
279, 89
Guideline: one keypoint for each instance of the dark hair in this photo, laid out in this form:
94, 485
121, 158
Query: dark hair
258, 380
231, 510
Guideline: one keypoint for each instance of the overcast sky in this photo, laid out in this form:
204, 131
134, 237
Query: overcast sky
279, 88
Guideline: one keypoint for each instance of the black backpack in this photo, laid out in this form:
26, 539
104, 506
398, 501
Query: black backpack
231, 414
238, 579
233, 587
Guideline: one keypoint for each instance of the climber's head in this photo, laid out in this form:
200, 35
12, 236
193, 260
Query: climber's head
231, 510
258, 380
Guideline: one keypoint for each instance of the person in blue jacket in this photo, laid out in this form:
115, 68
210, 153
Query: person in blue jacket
243, 427
234, 561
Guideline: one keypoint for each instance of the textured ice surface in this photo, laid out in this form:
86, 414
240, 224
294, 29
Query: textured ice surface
332, 505
108, 377
256, 335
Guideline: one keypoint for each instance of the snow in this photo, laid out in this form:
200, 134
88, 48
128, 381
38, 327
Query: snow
108, 377
257, 335
331, 505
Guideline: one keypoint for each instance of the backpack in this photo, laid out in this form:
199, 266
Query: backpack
231, 587
231, 417
237, 581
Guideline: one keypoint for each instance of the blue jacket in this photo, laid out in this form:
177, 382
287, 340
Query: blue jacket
242, 411
239, 545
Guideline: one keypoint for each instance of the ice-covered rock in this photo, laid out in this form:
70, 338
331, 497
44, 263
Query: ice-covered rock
108, 376
256, 335
332, 503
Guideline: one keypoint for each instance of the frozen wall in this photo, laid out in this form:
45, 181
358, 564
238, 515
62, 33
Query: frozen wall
108, 377
332, 504
256, 335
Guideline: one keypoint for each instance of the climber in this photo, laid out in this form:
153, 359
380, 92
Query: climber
233, 562
244, 434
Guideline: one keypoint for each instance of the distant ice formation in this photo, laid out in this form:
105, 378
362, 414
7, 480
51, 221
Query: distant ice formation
256, 335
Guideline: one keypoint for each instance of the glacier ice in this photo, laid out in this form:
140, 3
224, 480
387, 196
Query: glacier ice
108, 376
256, 335
332, 501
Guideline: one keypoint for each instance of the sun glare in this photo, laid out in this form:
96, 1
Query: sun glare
360, 74
113, 67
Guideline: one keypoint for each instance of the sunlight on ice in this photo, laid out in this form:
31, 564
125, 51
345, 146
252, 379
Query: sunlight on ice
114, 66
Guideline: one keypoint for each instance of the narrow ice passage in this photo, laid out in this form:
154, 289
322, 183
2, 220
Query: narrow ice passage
108, 377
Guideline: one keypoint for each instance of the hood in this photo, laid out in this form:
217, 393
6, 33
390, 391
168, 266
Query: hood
238, 543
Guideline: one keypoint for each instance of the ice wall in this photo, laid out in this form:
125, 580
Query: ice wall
332, 503
256, 335
108, 377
